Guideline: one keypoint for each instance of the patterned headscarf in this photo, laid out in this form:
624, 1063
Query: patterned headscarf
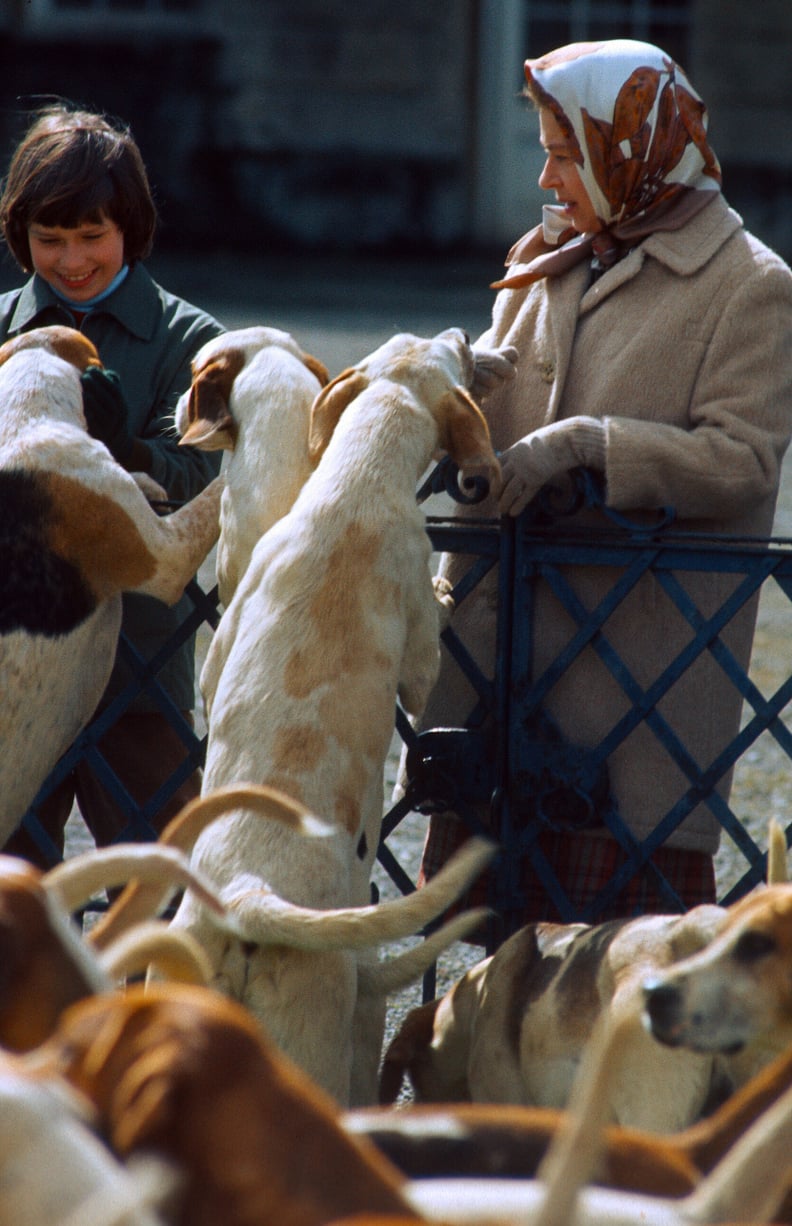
638, 133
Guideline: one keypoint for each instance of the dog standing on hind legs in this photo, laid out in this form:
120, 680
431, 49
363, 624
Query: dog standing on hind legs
251, 396
334, 618
77, 531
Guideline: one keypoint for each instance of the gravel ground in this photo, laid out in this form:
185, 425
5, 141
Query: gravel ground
340, 314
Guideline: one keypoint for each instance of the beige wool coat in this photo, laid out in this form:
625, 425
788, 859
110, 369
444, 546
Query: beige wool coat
684, 350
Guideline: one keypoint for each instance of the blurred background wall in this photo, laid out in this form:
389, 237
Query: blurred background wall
337, 125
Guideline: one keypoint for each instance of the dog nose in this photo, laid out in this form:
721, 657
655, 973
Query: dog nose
661, 1005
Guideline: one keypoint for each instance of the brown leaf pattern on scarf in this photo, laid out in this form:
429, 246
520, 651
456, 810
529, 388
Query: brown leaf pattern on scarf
691, 112
631, 183
655, 118
633, 107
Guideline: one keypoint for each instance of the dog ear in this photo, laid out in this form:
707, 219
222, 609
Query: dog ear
317, 368
212, 427
464, 434
328, 407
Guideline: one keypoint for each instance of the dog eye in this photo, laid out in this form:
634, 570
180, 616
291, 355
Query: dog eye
754, 945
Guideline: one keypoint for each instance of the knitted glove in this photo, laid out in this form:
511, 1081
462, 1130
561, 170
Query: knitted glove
534, 460
492, 367
106, 413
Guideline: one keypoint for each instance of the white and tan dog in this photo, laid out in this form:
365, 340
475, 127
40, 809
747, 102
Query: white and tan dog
77, 531
514, 1028
251, 396
335, 616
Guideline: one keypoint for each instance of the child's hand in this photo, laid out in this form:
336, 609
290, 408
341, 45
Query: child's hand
106, 412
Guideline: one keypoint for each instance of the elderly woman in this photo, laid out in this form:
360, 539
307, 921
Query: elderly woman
653, 338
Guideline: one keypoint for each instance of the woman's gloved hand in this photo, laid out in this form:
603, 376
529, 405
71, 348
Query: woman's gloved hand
493, 366
106, 413
577, 442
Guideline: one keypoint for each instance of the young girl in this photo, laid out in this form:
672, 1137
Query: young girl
654, 337
77, 212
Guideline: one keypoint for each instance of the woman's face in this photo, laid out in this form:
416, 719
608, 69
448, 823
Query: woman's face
561, 175
78, 262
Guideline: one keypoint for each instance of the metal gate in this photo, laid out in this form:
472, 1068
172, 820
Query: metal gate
508, 754
510, 749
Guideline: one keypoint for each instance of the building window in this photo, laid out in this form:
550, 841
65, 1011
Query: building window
553, 23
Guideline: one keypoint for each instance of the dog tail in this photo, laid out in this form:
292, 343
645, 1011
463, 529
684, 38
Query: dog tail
267, 919
173, 954
777, 869
141, 900
394, 974
77, 879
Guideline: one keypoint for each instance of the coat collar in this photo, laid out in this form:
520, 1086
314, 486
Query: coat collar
687, 250
684, 252
135, 305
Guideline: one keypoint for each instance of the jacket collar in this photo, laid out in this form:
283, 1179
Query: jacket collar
687, 250
135, 305
683, 251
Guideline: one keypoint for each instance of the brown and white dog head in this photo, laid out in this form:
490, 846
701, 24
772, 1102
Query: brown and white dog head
204, 417
40, 376
438, 371
251, 396
63, 342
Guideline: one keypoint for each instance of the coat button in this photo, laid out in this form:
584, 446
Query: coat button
547, 371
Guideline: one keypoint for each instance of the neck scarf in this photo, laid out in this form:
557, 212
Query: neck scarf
637, 131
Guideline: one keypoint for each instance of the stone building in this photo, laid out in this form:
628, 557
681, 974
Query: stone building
340, 125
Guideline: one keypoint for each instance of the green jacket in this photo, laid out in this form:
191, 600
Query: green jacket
149, 338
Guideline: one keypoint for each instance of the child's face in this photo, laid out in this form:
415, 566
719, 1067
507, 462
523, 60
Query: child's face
78, 262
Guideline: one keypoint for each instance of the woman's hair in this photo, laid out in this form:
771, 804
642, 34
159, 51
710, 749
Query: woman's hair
71, 167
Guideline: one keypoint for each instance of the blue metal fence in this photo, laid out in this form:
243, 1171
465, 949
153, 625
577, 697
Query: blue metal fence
510, 749
508, 756
85, 747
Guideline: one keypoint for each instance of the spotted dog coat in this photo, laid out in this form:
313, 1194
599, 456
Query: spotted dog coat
251, 396
75, 532
513, 1029
335, 616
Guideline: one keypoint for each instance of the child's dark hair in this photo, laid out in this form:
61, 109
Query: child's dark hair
75, 166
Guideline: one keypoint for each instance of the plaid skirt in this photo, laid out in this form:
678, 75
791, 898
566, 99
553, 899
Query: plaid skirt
584, 864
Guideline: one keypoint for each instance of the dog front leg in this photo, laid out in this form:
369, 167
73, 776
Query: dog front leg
421, 660
182, 542
494, 1072
445, 601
